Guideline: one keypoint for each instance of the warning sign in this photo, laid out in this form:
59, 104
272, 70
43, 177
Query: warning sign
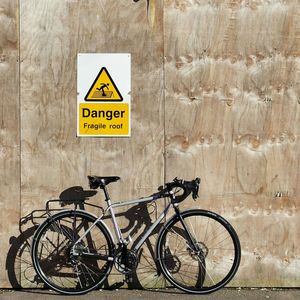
105, 119
103, 88
103, 94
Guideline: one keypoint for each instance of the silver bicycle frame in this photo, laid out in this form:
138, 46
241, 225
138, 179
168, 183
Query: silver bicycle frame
111, 207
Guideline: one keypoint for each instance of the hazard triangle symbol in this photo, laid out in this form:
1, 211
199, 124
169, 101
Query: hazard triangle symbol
103, 88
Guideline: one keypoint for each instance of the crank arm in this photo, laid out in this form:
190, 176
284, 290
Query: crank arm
97, 256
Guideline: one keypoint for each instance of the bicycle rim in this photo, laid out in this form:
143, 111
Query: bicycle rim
54, 260
208, 263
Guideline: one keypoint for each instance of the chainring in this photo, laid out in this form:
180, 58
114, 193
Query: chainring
126, 261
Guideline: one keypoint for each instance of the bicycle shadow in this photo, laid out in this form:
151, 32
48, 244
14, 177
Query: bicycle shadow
19, 266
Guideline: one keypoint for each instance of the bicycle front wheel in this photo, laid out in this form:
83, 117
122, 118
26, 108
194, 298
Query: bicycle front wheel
200, 253
69, 269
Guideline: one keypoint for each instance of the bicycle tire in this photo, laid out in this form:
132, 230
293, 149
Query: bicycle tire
177, 260
52, 252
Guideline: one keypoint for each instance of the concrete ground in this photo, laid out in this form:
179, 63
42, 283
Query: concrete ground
224, 294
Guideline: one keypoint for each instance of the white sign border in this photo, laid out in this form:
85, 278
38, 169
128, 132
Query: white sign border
114, 62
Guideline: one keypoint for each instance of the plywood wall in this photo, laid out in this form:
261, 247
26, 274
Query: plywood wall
9, 131
53, 159
232, 76
215, 94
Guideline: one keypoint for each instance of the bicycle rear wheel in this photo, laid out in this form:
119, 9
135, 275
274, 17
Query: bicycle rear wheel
207, 263
59, 266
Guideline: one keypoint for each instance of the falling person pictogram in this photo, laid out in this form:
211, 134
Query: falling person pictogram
102, 87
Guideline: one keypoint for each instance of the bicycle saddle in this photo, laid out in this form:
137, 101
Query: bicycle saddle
102, 180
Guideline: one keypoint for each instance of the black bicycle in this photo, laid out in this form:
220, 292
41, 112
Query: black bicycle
197, 251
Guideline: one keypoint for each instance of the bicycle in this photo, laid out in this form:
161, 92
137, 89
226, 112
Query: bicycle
197, 251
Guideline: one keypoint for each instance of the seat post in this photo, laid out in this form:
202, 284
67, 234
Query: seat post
103, 187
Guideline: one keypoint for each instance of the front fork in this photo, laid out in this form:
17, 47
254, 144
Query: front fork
192, 242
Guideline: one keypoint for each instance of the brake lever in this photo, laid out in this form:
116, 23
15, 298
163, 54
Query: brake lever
196, 190
195, 195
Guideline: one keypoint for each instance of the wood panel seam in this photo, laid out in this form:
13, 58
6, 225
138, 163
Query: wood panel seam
19, 113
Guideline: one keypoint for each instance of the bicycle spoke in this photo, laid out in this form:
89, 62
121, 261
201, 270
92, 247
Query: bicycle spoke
77, 271
222, 240
90, 271
206, 230
193, 231
206, 272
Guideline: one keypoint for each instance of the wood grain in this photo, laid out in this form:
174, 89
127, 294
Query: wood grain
232, 117
9, 132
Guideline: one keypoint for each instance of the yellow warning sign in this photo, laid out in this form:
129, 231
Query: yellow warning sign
103, 88
104, 119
